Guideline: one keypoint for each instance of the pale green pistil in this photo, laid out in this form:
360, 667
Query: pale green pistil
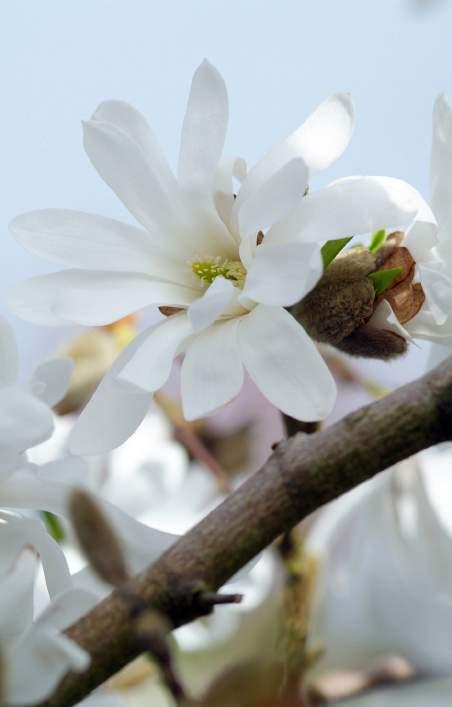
209, 268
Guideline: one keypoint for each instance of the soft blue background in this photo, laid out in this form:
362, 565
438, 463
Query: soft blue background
280, 58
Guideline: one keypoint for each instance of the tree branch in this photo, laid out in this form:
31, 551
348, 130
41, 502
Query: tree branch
302, 474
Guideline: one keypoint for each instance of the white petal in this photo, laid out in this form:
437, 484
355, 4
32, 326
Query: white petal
285, 364
326, 133
51, 380
44, 656
224, 195
319, 142
206, 309
114, 411
130, 121
8, 354
149, 366
83, 240
438, 291
133, 175
66, 608
420, 239
24, 420
384, 318
92, 298
348, 207
283, 274
274, 199
16, 595
441, 165
204, 126
212, 373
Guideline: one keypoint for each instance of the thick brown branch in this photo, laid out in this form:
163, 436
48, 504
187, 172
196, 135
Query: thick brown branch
302, 474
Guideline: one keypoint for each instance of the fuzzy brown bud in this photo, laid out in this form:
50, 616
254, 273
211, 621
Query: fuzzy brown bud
97, 538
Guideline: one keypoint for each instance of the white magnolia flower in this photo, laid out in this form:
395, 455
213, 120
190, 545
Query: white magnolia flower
385, 575
429, 241
26, 417
35, 654
230, 265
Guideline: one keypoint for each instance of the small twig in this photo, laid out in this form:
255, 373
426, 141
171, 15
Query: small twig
184, 434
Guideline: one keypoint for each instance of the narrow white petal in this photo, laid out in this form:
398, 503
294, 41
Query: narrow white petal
384, 318
51, 380
283, 274
274, 199
16, 594
83, 240
114, 411
204, 126
206, 309
24, 420
348, 207
420, 239
438, 291
285, 364
92, 298
44, 656
134, 125
133, 175
149, 366
8, 354
212, 373
441, 166
224, 195
319, 142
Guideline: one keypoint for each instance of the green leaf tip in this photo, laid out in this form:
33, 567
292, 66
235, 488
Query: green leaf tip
377, 240
332, 248
382, 279
54, 526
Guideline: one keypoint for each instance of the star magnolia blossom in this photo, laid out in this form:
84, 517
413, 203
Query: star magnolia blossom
35, 653
429, 241
385, 573
224, 268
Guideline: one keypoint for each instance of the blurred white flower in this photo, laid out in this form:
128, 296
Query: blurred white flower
224, 268
385, 573
35, 654
151, 480
429, 241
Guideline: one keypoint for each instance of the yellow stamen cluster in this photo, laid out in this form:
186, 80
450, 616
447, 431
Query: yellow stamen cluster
210, 267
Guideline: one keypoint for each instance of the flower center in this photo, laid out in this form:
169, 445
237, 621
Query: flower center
210, 267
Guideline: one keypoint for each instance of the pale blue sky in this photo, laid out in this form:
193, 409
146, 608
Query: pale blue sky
280, 58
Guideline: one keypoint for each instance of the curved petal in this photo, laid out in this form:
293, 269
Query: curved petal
283, 274
83, 240
9, 359
438, 290
348, 207
149, 366
206, 309
114, 411
24, 420
319, 142
135, 126
133, 175
273, 200
16, 595
441, 166
44, 656
224, 195
212, 373
51, 380
92, 298
204, 127
285, 364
